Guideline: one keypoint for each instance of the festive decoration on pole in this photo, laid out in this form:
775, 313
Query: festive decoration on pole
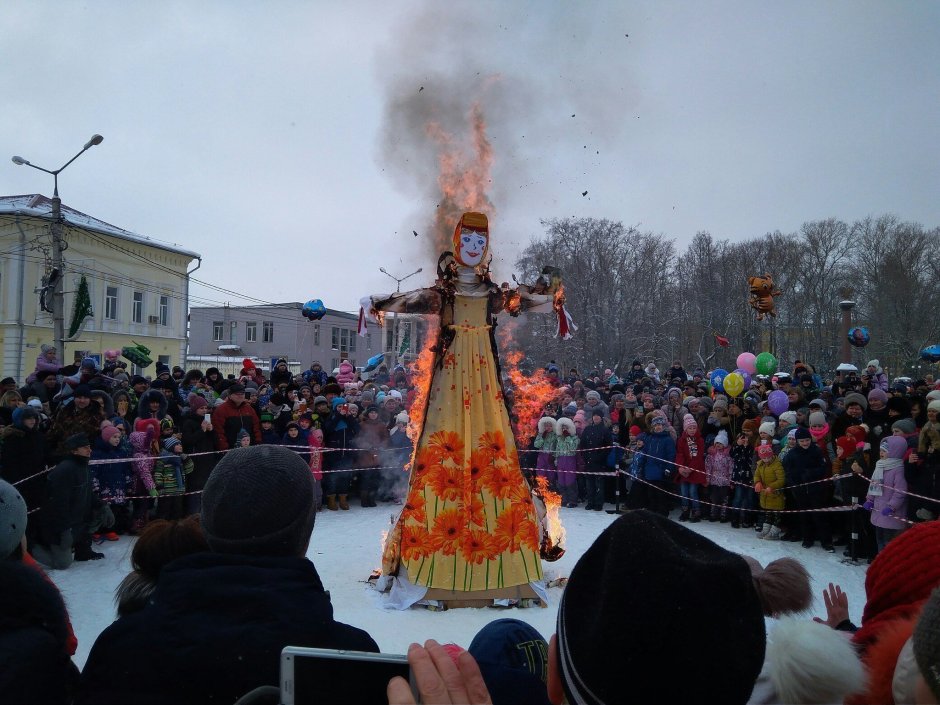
81, 310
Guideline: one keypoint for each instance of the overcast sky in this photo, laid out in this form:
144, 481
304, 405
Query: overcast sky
284, 141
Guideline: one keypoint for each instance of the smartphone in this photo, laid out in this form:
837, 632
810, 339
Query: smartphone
308, 674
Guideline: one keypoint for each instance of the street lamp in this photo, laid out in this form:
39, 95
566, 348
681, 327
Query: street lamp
58, 243
398, 281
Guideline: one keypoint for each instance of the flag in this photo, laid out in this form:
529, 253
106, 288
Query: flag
721, 341
81, 310
405, 342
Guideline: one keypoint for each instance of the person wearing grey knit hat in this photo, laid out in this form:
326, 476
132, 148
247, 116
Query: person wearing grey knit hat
12, 519
242, 601
904, 427
820, 404
856, 398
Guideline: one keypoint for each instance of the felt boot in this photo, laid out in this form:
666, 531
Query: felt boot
343, 503
331, 502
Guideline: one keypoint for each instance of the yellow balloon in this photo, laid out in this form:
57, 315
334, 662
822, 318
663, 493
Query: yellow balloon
733, 384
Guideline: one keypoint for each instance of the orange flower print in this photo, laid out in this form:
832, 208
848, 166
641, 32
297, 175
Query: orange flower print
476, 511
414, 507
500, 481
530, 531
493, 445
424, 461
446, 482
521, 495
446, 445
478, 546
448, 527
415, 542
479, 464
511, 531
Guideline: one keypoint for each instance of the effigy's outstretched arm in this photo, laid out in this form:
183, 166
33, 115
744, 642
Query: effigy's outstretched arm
373, 308
545, 296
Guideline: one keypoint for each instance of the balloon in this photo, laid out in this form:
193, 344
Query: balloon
778, 402
717, 379
746, 362
734, 384
745, 376
112, 354
765, 363
859, 337
313, 310
374, 362
930, 354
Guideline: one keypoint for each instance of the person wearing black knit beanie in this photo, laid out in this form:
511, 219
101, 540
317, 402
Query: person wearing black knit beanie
634, 609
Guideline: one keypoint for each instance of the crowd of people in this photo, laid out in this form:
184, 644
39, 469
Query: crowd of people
855, 456
222, 477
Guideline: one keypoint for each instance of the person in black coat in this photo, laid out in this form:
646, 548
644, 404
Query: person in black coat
216, 623
198, 436
802, 465
596, 440
70, 512
339, 432
23, 454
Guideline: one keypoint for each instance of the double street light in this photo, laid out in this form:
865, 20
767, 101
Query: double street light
58, 243
398, 281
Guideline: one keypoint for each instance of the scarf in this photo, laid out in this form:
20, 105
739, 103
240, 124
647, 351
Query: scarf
877, 478
818, 433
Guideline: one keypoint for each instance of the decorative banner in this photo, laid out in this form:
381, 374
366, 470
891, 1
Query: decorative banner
81, 310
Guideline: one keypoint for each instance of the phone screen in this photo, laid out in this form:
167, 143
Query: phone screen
313, 676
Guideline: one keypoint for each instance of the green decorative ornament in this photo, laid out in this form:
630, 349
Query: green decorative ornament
765, 363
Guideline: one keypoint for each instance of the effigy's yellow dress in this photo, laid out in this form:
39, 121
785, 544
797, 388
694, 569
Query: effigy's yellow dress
468, 532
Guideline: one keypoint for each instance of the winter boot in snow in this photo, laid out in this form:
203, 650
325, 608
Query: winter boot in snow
695, 518
343, 504
685, 515
774, 534
331, 502
765, 531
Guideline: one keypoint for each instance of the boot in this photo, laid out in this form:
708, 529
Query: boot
331, 502
765, 532
695, 518
343, 504
685, 515
773, 534
83, 552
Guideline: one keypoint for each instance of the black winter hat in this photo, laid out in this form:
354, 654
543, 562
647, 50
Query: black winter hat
137, 379
646, 588
259, 501
76, 441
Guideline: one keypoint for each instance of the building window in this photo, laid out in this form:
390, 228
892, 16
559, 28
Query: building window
389, 338
164, 310
218, 330
111, 303
316, 334
251, 332
352, 341
267, 331
369, 341
335, 343
164, 360
137, 312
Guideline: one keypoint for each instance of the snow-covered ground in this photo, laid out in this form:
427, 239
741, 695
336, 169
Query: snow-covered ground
346, 547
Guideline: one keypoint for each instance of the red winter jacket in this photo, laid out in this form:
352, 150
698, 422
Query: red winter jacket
690, 453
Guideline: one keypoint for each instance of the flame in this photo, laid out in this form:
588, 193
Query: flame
421, 379
464, 176
530, 395
559, 298
553, 542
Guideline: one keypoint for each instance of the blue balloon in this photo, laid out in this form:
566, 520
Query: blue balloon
313, 310
374, 362
717, 379
859, 337
930, 353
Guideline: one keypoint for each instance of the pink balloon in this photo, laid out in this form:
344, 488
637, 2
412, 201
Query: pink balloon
746, 362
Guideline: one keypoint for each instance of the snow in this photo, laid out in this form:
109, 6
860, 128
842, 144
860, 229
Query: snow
346, 547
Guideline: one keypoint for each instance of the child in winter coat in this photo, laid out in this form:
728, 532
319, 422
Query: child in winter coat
169, 472
545, 443
145, 448
657, 466
718, 468
315, 441
887, 498
110, 480
566, 462
690, 461
769, 480
742, 482
243, 439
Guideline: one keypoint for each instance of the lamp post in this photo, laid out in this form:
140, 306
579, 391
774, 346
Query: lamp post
398, 281
58, 243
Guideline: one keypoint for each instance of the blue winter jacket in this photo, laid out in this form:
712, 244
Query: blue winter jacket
659, 452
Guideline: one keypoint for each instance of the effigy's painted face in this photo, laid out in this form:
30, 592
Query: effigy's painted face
472, 247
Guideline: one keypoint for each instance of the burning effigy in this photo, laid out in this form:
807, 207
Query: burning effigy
470, 531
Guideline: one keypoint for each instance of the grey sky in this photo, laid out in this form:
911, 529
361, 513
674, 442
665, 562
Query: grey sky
259, 134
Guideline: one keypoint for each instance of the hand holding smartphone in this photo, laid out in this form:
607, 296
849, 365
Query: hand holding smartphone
353, 676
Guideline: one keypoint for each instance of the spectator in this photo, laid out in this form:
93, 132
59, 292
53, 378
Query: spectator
258, 514
233, 415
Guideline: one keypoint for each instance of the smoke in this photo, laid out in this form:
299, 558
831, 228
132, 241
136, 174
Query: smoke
485, 105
